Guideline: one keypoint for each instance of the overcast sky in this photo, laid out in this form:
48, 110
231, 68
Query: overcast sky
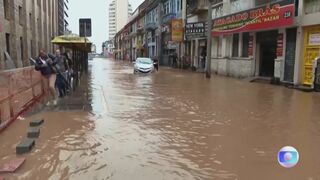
97, 10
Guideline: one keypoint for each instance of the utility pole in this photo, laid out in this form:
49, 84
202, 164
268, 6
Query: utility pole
208, 64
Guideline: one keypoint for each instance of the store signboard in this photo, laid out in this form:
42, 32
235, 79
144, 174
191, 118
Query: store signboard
273, 15
196, 30
280, 45
177, 30
314, 39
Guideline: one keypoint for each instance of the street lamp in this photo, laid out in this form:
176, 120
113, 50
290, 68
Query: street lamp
208, 63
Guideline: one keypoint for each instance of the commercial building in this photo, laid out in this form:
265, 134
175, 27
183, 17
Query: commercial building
275, 39
119, 14
196, 32
26, 27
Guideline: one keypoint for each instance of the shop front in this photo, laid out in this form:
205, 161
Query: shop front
254, 42
196, 34
311, 51
172, 38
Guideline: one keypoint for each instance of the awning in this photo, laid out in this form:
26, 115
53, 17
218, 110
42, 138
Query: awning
73, 41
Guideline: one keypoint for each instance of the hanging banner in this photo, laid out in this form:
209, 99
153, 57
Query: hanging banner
177, 30
273, 15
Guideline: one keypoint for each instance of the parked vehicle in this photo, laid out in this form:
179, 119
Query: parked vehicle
143, 65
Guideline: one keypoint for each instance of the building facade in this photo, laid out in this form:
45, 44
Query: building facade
275, 39
119, 14
195, 32
25, 28
171, 16
63, 16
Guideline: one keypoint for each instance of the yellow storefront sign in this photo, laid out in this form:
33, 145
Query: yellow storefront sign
311, 52
177, 30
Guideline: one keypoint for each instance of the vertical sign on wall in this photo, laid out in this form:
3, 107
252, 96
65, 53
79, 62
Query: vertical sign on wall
177, 30
280, 45
250, 48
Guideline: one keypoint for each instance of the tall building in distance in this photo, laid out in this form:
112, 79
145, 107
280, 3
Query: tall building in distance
119, 13
63, 16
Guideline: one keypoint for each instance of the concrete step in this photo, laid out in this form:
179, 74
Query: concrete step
33, 132
25, 146
36, 123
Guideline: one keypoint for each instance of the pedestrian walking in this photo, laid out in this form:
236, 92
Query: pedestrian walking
69, 70
44, 65
62, 67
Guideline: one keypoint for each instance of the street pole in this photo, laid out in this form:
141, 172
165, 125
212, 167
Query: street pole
209, 28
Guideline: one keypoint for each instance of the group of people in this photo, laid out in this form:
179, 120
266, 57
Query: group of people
57, 69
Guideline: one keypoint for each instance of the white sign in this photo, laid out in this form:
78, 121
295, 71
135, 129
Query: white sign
314, 39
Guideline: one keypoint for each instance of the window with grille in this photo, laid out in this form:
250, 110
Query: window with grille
312, 6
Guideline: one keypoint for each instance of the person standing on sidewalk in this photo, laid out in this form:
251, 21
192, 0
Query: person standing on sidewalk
62, 66
44, 65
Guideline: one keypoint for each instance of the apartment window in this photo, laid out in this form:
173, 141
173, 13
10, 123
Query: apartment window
178, 5
262, 2
8, 42
20, 16
235, 45
30, 20
239, 5
312, 6
245, 44
44, 5
217, 10
22, 49
6, 9
167, 7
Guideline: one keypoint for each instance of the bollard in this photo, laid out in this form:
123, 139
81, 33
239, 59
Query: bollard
25, 146
33, 132
37, 122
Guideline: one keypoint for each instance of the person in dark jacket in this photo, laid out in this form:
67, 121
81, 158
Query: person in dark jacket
45, 65
61, 81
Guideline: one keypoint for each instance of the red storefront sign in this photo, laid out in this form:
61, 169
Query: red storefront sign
250, 48
273, 15
280, 45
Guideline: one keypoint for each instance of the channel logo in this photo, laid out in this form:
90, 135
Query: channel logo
288, 157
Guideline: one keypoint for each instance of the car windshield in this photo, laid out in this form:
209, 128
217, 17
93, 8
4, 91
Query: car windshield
144, 61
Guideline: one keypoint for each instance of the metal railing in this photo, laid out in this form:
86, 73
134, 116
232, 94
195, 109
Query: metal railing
19, 90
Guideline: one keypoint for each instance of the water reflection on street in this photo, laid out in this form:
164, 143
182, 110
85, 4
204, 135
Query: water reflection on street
175, 125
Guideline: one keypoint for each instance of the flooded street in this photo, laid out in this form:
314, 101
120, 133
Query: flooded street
173, 125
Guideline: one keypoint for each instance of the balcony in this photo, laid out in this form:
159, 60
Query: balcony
198, 6
151, 26
168, 17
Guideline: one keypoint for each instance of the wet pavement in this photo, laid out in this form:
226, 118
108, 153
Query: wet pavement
172, 125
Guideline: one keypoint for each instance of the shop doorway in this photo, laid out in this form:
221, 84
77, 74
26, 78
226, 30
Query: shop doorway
267, 54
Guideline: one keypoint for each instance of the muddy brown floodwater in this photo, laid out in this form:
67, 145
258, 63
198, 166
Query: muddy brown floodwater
173, 125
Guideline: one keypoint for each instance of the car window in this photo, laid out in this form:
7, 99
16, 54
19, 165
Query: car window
144, 61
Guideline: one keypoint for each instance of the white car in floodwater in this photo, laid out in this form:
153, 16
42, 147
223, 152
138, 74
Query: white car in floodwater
143, 65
